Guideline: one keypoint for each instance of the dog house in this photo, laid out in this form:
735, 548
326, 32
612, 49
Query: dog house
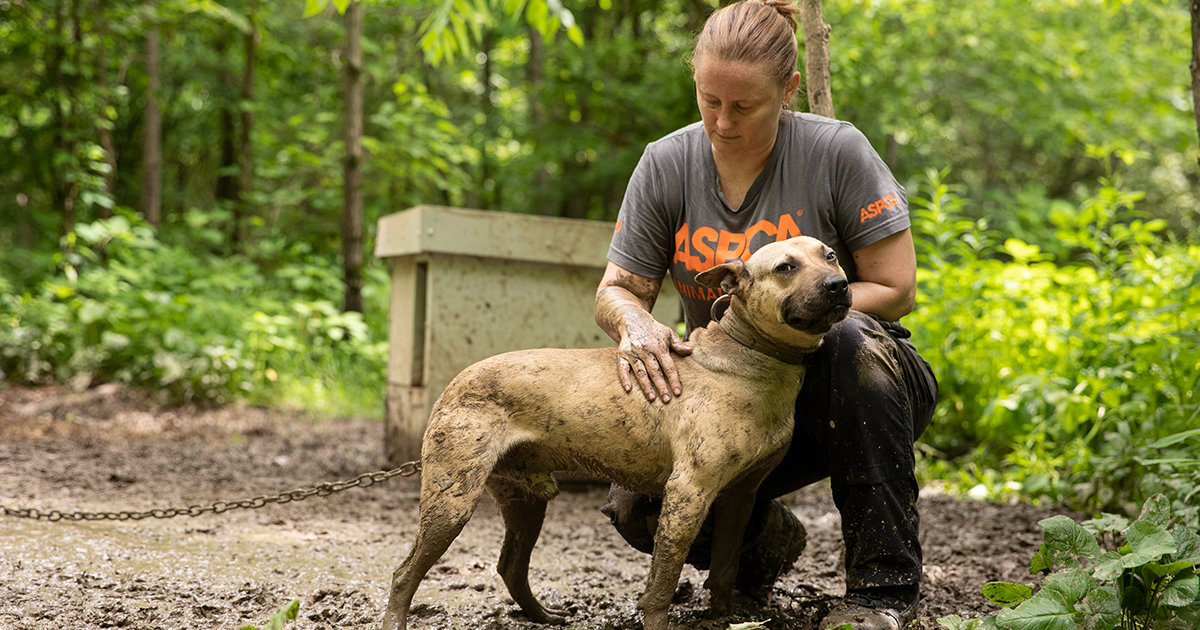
469, 284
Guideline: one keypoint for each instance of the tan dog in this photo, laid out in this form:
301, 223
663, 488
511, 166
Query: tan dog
507, 422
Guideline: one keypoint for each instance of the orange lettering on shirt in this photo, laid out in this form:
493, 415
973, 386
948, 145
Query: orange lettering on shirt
730, 246
787, 228
703, 240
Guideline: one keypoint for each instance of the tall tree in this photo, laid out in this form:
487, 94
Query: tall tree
152, 136
352, 213
816, 58
246, 145
1195, 65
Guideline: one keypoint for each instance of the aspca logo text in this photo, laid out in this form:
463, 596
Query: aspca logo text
873, 210
705, 248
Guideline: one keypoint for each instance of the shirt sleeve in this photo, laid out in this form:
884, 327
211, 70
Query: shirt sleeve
871, 204
644, 239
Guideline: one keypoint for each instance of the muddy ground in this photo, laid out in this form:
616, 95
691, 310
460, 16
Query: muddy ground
336, 554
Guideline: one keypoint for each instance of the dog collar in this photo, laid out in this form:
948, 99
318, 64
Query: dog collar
750, 337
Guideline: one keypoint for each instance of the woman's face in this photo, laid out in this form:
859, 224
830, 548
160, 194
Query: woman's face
740, 105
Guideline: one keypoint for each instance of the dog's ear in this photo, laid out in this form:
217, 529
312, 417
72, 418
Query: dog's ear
727, 276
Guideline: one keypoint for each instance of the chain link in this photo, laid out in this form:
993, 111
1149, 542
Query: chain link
364, 480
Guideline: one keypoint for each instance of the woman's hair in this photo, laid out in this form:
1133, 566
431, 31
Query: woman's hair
752, 31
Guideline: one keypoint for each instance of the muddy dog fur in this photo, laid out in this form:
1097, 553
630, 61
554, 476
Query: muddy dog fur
506, 423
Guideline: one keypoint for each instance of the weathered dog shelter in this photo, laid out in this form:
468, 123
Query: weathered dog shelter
469, 284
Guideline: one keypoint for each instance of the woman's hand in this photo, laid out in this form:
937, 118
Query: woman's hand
623, 304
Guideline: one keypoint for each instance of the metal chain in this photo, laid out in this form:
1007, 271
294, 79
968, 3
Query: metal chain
323, 490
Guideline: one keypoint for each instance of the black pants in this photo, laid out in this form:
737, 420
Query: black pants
866, 398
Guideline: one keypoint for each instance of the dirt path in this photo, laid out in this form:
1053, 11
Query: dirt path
336, 554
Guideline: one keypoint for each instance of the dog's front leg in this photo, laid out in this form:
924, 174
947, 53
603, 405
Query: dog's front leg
731, 513
684, 508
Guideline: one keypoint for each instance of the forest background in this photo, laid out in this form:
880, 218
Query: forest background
187, 187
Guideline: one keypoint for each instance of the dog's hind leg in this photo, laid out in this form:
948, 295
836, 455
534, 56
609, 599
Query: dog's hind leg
523, 514
450, 491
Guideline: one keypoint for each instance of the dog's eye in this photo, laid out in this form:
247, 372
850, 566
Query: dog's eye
831, 256
785, 267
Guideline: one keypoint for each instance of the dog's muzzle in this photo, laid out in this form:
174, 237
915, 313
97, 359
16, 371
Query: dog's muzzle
817, 314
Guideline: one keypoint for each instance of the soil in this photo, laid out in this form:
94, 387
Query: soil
119, 451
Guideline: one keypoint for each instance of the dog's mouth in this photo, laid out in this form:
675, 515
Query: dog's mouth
820, 324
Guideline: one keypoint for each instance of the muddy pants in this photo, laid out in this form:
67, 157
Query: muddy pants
867, 397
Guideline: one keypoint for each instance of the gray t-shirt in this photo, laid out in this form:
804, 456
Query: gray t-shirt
823, 179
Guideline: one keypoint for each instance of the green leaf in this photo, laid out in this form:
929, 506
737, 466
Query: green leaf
341, 5
1068, 588
1148, 541
1066, 539
1187, 546
277, 621
1101, 608
1042, 562
1006, 594
1175, 438
313, 7
955, 622
1183, 589
1038, 613
1156, 510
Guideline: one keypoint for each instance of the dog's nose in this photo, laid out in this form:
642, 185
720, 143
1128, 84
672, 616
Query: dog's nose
835, 284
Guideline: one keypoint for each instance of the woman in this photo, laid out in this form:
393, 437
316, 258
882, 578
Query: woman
752, 172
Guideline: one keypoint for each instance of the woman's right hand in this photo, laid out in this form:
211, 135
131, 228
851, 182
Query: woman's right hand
623, 304
645, 354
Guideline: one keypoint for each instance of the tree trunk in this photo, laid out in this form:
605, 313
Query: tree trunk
246, 146
816, 58
1195, 65
487, 182
105, 126
352, 214
535, 71
227, 182
152, 136
63, 191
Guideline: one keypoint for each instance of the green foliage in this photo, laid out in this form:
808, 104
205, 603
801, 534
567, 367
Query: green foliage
1055, 367
125, 306
1009, 93
281, 617
1147, 583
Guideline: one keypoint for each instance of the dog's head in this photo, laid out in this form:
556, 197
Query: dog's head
792, 292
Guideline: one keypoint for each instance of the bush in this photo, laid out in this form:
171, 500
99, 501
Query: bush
1055, 368
124, 306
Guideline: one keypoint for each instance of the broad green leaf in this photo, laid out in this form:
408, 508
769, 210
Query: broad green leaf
1107, 523
1038, 613
1156, 510
1006, 594
1187, 545
1148, 541
1109, 565
1067, 587
1182, 590
341, 5
1101, 609
1066, 539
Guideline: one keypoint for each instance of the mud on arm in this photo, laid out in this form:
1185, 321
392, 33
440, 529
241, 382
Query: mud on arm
624, 301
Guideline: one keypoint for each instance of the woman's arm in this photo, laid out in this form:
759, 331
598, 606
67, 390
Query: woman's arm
623, 304
887, 277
